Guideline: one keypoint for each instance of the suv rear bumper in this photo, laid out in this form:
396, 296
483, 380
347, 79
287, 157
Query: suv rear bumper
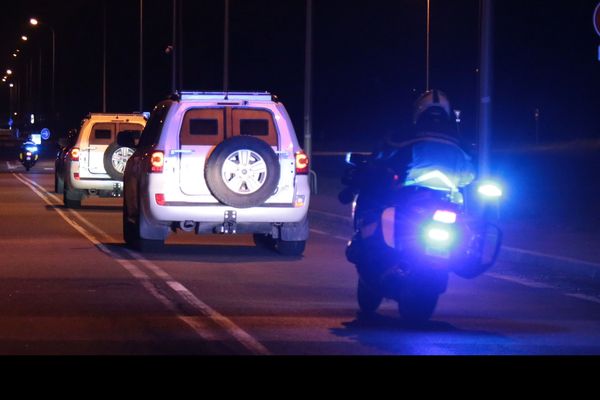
216, 213
185, 209
93, 183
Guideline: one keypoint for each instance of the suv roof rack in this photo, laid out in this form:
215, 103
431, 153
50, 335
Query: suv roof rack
256, 96
129, 114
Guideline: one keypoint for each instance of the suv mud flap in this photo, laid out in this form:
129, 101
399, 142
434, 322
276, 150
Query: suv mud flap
294, 231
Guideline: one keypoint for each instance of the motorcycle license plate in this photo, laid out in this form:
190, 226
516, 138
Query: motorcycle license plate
439, 253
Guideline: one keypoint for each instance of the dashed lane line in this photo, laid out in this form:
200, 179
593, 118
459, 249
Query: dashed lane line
244, 338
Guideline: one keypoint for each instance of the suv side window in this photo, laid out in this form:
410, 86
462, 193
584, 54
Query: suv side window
253, 122
151, 132
102, 133
203, 127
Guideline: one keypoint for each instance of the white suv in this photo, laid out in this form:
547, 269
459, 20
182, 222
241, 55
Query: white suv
94, 165
218, 163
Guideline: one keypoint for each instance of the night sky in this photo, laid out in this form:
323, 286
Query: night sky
369, 60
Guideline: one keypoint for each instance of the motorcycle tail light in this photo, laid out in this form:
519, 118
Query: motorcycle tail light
157, 162
28, 154
302, 163
443, 216
439, 235
74, 154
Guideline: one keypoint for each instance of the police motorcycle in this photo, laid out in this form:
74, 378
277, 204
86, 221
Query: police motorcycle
405, 247
28, 154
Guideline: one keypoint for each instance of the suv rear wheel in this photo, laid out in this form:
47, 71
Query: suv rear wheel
290, 247
136, 231
72, 197
242, 172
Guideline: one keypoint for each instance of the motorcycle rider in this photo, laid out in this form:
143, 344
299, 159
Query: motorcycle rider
429, 162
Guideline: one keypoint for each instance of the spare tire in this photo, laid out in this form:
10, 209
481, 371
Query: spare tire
115, 159
242, 172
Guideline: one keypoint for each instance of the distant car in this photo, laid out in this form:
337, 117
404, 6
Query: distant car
65, 144
94, 164
218, 163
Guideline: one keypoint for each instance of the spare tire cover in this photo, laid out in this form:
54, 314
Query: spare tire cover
242, 172
115, 159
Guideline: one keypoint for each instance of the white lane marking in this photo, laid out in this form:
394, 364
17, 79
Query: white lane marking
10, 166
229, 326
520, 281
317, 231
332, 215
558, 258
48, 169
584, 297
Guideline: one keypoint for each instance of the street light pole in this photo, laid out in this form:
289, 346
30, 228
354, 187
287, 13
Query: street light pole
174, 50
226, 49
35, 22
536, 115
308, 82
485, 88
104, 57
427, 46
141, 98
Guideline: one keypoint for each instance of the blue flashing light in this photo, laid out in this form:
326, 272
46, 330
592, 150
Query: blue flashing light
490, 190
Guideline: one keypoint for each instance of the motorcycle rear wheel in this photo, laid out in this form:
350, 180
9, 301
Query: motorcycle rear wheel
368, 299
417, 305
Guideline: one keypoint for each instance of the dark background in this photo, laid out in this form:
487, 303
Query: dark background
369, 60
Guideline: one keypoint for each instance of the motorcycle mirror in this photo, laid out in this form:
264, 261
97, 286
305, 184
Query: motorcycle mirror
356, 158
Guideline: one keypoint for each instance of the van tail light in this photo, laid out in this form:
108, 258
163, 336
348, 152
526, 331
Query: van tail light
302, 164
74, 154
157, 162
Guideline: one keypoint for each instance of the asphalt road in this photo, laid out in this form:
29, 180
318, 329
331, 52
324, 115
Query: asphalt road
69, 286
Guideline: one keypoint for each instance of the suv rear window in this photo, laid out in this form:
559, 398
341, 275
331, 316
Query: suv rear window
203, 127
210, 126
102, 133
254, 122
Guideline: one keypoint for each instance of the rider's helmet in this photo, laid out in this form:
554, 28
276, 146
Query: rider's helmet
433, 114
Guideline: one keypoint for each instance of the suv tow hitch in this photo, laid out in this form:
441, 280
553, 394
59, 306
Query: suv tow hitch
229, 223
117, 190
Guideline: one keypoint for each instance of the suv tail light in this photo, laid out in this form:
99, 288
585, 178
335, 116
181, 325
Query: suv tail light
302, 163
157, 161
74, 154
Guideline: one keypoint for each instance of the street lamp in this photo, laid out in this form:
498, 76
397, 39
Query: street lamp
24, 38
35, 22
8, 72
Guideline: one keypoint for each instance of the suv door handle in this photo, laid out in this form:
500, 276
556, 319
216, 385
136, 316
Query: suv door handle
182, 152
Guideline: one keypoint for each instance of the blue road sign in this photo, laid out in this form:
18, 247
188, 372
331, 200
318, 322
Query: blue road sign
45, 133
